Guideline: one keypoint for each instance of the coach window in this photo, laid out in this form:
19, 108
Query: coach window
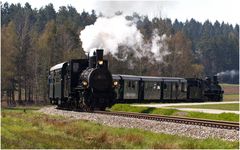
145, 84
176, 86
173, 86
75, 67
164, 86
133, 84
58, 76
49, 79
156, 86
51, 76
129, 84
183, 87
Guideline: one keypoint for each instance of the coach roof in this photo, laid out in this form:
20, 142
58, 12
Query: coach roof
58, 66
147, 78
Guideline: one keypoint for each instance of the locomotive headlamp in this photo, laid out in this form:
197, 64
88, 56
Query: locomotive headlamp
85, 83
115, 83
100, 62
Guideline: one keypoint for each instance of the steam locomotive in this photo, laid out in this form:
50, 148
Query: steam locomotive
87, 84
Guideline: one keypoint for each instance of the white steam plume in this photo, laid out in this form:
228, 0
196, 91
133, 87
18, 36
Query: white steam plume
159, 45
230, 73
111, 33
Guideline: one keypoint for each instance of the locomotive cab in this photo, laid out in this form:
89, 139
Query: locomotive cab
55, 82
63, 80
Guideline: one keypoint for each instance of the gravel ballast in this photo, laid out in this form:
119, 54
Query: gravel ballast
193, 131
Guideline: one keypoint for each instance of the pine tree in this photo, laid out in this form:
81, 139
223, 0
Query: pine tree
8, 59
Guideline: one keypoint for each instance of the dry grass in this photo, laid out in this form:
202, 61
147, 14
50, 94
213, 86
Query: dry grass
231, 97
34, 130
230, 88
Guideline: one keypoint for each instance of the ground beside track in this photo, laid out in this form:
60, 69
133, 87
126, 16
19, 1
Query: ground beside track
231, 92
230, 89
24, 128
206, 107
174, 112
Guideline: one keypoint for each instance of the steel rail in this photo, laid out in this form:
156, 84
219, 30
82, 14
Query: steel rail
175, 119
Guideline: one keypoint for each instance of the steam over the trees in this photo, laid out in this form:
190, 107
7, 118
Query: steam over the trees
110, 33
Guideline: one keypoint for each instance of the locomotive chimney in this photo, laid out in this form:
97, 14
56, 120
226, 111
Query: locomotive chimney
215, 79
92, 61
99, 57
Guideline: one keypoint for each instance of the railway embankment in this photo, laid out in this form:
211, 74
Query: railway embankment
193, 131
204, 107
29, 127
170, 111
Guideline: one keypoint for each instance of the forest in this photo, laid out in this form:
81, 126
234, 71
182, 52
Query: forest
33, 40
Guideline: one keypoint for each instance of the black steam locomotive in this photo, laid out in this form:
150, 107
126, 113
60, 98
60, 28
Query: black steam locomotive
87, 84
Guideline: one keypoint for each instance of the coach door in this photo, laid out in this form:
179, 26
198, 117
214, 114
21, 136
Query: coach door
152, 90
58, 84
130, 89
182, 92
194, 90
175, 90
167, 90
51, 84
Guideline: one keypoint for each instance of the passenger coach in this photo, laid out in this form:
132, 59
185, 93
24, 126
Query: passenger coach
145, 89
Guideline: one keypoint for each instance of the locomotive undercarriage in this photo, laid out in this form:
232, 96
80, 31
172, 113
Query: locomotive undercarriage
84, 101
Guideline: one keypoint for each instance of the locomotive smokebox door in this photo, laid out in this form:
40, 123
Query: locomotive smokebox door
99, 57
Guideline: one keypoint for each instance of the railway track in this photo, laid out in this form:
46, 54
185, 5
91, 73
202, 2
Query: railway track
183, 120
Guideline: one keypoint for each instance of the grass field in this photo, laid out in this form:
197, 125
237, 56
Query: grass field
226, 84
233, 106
175, 112
231, 92
29, 129
230, 88
231, 97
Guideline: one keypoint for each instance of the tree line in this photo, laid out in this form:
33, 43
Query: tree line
33, 40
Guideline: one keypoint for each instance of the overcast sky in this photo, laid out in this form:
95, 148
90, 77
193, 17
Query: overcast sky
201, 10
